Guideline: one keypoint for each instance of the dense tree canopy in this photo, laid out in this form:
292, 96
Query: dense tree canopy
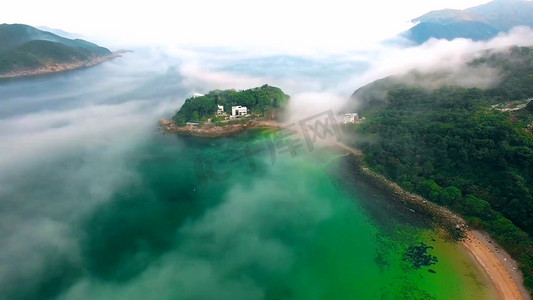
529, 107
451, 146
259, 100
23, 47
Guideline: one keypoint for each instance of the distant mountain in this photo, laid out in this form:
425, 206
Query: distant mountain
461, 29
26, 50
62, 33
477, 23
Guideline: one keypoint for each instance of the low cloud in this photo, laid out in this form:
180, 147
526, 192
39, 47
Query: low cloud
224, 253
205, 80
68, 145
448, 58
65, 149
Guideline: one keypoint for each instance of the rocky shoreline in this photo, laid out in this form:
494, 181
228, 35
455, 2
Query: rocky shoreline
440, 216
168, 126
500, 268
492, 259
57, 68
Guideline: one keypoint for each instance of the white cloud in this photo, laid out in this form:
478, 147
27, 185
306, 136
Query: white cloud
441, 55
297, 25
99, 132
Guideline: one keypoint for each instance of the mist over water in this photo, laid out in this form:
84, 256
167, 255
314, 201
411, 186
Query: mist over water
95, 203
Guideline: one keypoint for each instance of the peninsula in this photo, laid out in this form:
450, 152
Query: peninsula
28, 51
226, 112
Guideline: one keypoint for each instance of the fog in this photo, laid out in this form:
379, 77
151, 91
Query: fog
218, 248
66, 148
449, 58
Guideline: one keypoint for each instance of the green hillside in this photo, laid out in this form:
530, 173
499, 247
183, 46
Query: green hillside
23, 47
478, 23
261, 100
465, 148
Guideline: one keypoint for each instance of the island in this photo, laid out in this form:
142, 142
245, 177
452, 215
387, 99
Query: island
27, 51
226, 112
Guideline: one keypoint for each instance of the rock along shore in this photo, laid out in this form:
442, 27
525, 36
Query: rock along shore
440, 216
211, 130
56, 68
501, 269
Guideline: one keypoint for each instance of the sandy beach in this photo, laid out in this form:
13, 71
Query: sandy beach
501, 269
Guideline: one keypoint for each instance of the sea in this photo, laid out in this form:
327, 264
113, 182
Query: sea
97, 203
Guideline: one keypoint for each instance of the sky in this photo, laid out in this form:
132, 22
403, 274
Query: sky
333, 25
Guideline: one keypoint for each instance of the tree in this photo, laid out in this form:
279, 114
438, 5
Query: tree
258, 100
452, 137
195, 116
475, 207
450, 195
431, 189
529, 107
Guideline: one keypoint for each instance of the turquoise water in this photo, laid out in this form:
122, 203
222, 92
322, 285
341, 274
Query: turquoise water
285, 231
95, 203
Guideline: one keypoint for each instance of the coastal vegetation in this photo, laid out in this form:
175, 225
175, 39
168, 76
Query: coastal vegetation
25, 48
457, 147
265, 101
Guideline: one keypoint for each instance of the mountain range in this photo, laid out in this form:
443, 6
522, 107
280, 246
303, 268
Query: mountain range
477, 23
25, 50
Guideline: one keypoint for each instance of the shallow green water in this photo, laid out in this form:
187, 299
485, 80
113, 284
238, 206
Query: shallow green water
295, 229
96, 204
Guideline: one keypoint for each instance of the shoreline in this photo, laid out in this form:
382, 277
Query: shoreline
212, 131
59, 68
442, 217
501, 269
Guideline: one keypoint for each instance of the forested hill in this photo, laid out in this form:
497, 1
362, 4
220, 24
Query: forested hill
25, 48
465, 148
260, 101
481, 22
515, 79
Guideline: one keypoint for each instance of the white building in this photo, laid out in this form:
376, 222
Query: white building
196, 95
220, 110
351, 118
239, 111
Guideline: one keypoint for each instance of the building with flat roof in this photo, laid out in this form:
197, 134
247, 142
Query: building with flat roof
220, 110
238, 111
351, 118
